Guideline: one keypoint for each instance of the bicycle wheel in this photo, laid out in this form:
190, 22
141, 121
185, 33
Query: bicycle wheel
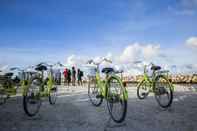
32, 99
53, 95
94, 93
163, 91
116, 100
142, 90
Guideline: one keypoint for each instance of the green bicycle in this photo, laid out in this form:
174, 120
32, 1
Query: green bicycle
39, 87
8, 86
25, 77
111, 89
159, 84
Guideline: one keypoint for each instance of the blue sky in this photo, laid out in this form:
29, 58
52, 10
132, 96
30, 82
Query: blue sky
41, 30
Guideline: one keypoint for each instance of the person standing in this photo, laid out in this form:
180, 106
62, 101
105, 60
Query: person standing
81, 72
69, 77
73, 76
65, 76
59, 77
79, 77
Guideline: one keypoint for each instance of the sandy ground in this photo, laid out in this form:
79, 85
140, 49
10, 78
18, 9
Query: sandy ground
74, 112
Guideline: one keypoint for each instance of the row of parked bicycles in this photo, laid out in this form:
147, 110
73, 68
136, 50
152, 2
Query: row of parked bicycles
33, 85
112, 88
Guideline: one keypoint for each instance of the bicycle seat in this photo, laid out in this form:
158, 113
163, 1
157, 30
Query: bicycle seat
107, 70
41, 68
154, 67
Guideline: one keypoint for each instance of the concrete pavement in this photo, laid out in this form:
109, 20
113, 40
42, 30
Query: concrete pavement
74, 112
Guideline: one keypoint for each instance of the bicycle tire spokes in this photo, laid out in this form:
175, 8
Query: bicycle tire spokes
116, 103
94, 93
143, 89
53, 95
31, 100
114, 94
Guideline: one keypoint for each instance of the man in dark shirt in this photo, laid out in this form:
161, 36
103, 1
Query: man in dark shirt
69, 77
73, 76
79, 77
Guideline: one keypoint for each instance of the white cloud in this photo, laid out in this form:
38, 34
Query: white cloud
136, 51
74, 60
183, 69
4, 69
124, 60
133, 69
97, 59
192, 42
150, 51
130, 53
145, 53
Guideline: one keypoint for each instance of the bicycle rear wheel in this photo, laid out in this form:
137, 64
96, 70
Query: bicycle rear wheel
116, 100
94, 92
32, 99
163, 91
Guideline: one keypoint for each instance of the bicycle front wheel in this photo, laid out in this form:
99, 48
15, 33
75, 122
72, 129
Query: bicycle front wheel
32, 99
94, 92
116, 99
53, 95
163, 91
143, 90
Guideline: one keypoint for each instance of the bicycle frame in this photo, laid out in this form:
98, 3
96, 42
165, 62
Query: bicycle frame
25, 81
10, 90
103, 85
7, 85
49, 84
